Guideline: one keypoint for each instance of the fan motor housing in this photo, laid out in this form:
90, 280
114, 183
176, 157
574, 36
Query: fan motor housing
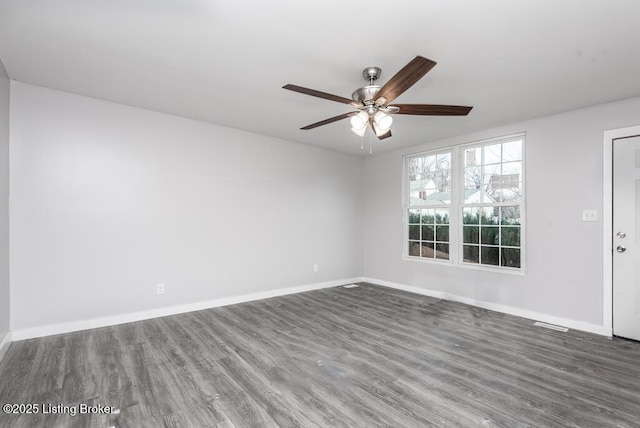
366, 94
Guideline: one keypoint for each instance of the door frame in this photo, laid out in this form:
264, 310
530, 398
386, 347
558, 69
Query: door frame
607, 221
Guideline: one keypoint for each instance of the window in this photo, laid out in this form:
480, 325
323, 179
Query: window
464, 204
430, 200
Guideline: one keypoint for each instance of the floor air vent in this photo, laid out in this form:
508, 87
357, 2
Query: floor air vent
350, 286
551, 326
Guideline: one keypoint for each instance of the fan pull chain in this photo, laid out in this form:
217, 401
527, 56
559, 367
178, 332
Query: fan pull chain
371, 142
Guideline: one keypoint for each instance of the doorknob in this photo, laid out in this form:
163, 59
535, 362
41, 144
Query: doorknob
621, 235
621, 249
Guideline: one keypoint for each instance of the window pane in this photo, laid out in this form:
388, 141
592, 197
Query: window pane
443, 160
442, 251
489, 235
427, 250
511, 181
512, 151
428, 233
511, 236
491, 184
414, 231
510, 215
490, 170
414, 248
492, 154
472, 185
470, 215
428, 216
430, 179
419, 197
489, 256
512, 194
442, 216
443, 174
419, 190
513, 168
473, 195
470, 234
511, 257
472, 157
490, 215
414, 216
442, 197
471, 254
442, 233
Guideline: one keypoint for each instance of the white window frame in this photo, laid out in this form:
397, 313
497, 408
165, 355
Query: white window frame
457, 204
450, 206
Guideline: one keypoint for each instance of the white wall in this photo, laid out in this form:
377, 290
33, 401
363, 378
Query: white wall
4, 205
564, 277
108, 200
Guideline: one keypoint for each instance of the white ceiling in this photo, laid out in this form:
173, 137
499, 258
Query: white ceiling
225, 62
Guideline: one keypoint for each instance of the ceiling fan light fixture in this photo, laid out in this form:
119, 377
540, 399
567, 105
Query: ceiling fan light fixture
360, 121
373, 101
379, 132
383, 121
358, 131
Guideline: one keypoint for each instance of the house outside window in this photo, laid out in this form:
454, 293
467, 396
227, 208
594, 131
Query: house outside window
464, 205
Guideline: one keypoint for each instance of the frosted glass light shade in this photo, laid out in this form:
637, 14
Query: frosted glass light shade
380, 132
358, 131
360, 120
383, 121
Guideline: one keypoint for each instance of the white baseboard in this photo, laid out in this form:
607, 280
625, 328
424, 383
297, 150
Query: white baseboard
66, 327
4, 344
524, 313
48, 330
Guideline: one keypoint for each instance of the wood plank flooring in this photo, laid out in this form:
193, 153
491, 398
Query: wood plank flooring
360, 357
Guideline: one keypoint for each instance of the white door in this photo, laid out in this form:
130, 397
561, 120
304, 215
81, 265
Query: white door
626, 237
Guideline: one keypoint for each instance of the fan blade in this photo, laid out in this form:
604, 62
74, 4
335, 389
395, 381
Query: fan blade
405, 78
432, 109
331, 120
375, 130
383, 136
319, 94
389, 109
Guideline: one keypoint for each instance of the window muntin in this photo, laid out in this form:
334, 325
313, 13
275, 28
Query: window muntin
429, 233
430, 179
491, 235
480, 189
491, 221
429, 200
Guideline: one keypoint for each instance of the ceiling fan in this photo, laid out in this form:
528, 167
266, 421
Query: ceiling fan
374, 101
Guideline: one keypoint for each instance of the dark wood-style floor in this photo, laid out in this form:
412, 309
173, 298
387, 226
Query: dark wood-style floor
360, 357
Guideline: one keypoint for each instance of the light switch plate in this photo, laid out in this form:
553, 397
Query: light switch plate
589, 215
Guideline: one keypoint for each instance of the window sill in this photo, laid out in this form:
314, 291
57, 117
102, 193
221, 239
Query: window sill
508, 271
